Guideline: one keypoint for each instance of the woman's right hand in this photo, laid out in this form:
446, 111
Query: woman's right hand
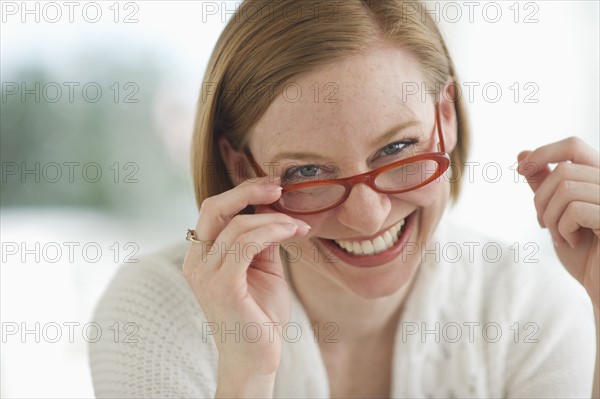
239, 280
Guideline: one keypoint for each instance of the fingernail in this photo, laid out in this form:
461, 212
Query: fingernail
300, 222
303, 225
274, 188
556, 242
290, 226
523, 162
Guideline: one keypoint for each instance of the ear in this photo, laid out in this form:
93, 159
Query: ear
448, 115
236, 163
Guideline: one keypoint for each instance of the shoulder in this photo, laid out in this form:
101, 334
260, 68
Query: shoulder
152, 342
153, 286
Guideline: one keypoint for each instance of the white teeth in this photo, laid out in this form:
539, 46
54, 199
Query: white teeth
367, 247
387, 237
376, 245
379, 244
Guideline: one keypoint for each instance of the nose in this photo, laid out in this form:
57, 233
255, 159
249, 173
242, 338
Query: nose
365, 210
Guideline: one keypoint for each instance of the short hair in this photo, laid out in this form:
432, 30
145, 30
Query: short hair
266, 44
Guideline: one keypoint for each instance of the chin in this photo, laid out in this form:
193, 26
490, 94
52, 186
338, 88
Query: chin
384, 274
381, 284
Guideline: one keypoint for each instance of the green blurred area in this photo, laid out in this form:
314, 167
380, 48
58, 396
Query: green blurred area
64, 139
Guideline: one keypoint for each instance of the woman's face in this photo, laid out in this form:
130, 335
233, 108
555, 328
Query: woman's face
337, 115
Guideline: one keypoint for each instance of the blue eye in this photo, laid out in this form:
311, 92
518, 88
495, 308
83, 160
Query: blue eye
397, 147
308, 171
305, 173
392, 148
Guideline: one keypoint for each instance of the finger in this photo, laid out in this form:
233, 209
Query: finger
251, 244
534, 175
242, 224
263, 209
577, 215
562, 173
216, 211
571, 149
522, 155
568, 192
531, 171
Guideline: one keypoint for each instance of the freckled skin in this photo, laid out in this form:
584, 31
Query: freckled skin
363, 303
369, 102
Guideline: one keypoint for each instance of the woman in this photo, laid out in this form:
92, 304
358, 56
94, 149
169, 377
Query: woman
337, 288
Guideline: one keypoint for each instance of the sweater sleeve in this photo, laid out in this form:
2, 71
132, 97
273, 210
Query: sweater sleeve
488, 324
555, 354
152, 343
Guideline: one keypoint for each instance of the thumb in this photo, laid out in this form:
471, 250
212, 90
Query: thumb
269, 260
533, 173
522, 155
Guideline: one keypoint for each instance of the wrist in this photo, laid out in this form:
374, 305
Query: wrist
233, 382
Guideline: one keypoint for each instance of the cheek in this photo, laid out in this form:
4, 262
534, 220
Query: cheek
304, 248
318, 222
430, 195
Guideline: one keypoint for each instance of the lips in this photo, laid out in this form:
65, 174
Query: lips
376, 258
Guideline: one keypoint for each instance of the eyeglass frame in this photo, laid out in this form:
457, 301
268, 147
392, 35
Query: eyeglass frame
441, 157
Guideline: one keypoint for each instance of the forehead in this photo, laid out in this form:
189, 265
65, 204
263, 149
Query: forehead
343, 105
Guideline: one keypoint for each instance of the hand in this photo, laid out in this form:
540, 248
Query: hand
567, 200
239, 280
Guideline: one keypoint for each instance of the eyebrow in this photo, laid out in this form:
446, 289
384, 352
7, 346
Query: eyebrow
375, 143
393, 131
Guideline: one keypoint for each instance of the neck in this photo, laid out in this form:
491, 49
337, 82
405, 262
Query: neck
356, 318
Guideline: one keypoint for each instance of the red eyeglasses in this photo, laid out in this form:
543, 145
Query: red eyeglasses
308, 198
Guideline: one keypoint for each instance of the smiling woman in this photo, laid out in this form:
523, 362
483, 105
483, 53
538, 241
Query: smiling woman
319, 265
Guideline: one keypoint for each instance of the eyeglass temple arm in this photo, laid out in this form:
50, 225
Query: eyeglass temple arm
441, 145
253, 163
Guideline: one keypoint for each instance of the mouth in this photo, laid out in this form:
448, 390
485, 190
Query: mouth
377, 250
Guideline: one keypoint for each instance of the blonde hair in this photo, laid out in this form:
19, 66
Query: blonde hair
267, 43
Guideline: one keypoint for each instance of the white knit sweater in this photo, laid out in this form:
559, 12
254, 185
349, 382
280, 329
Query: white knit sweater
480, 298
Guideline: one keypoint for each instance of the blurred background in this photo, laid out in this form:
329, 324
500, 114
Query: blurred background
97, 107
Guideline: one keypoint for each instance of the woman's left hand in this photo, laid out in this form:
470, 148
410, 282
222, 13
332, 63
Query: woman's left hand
567, 200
